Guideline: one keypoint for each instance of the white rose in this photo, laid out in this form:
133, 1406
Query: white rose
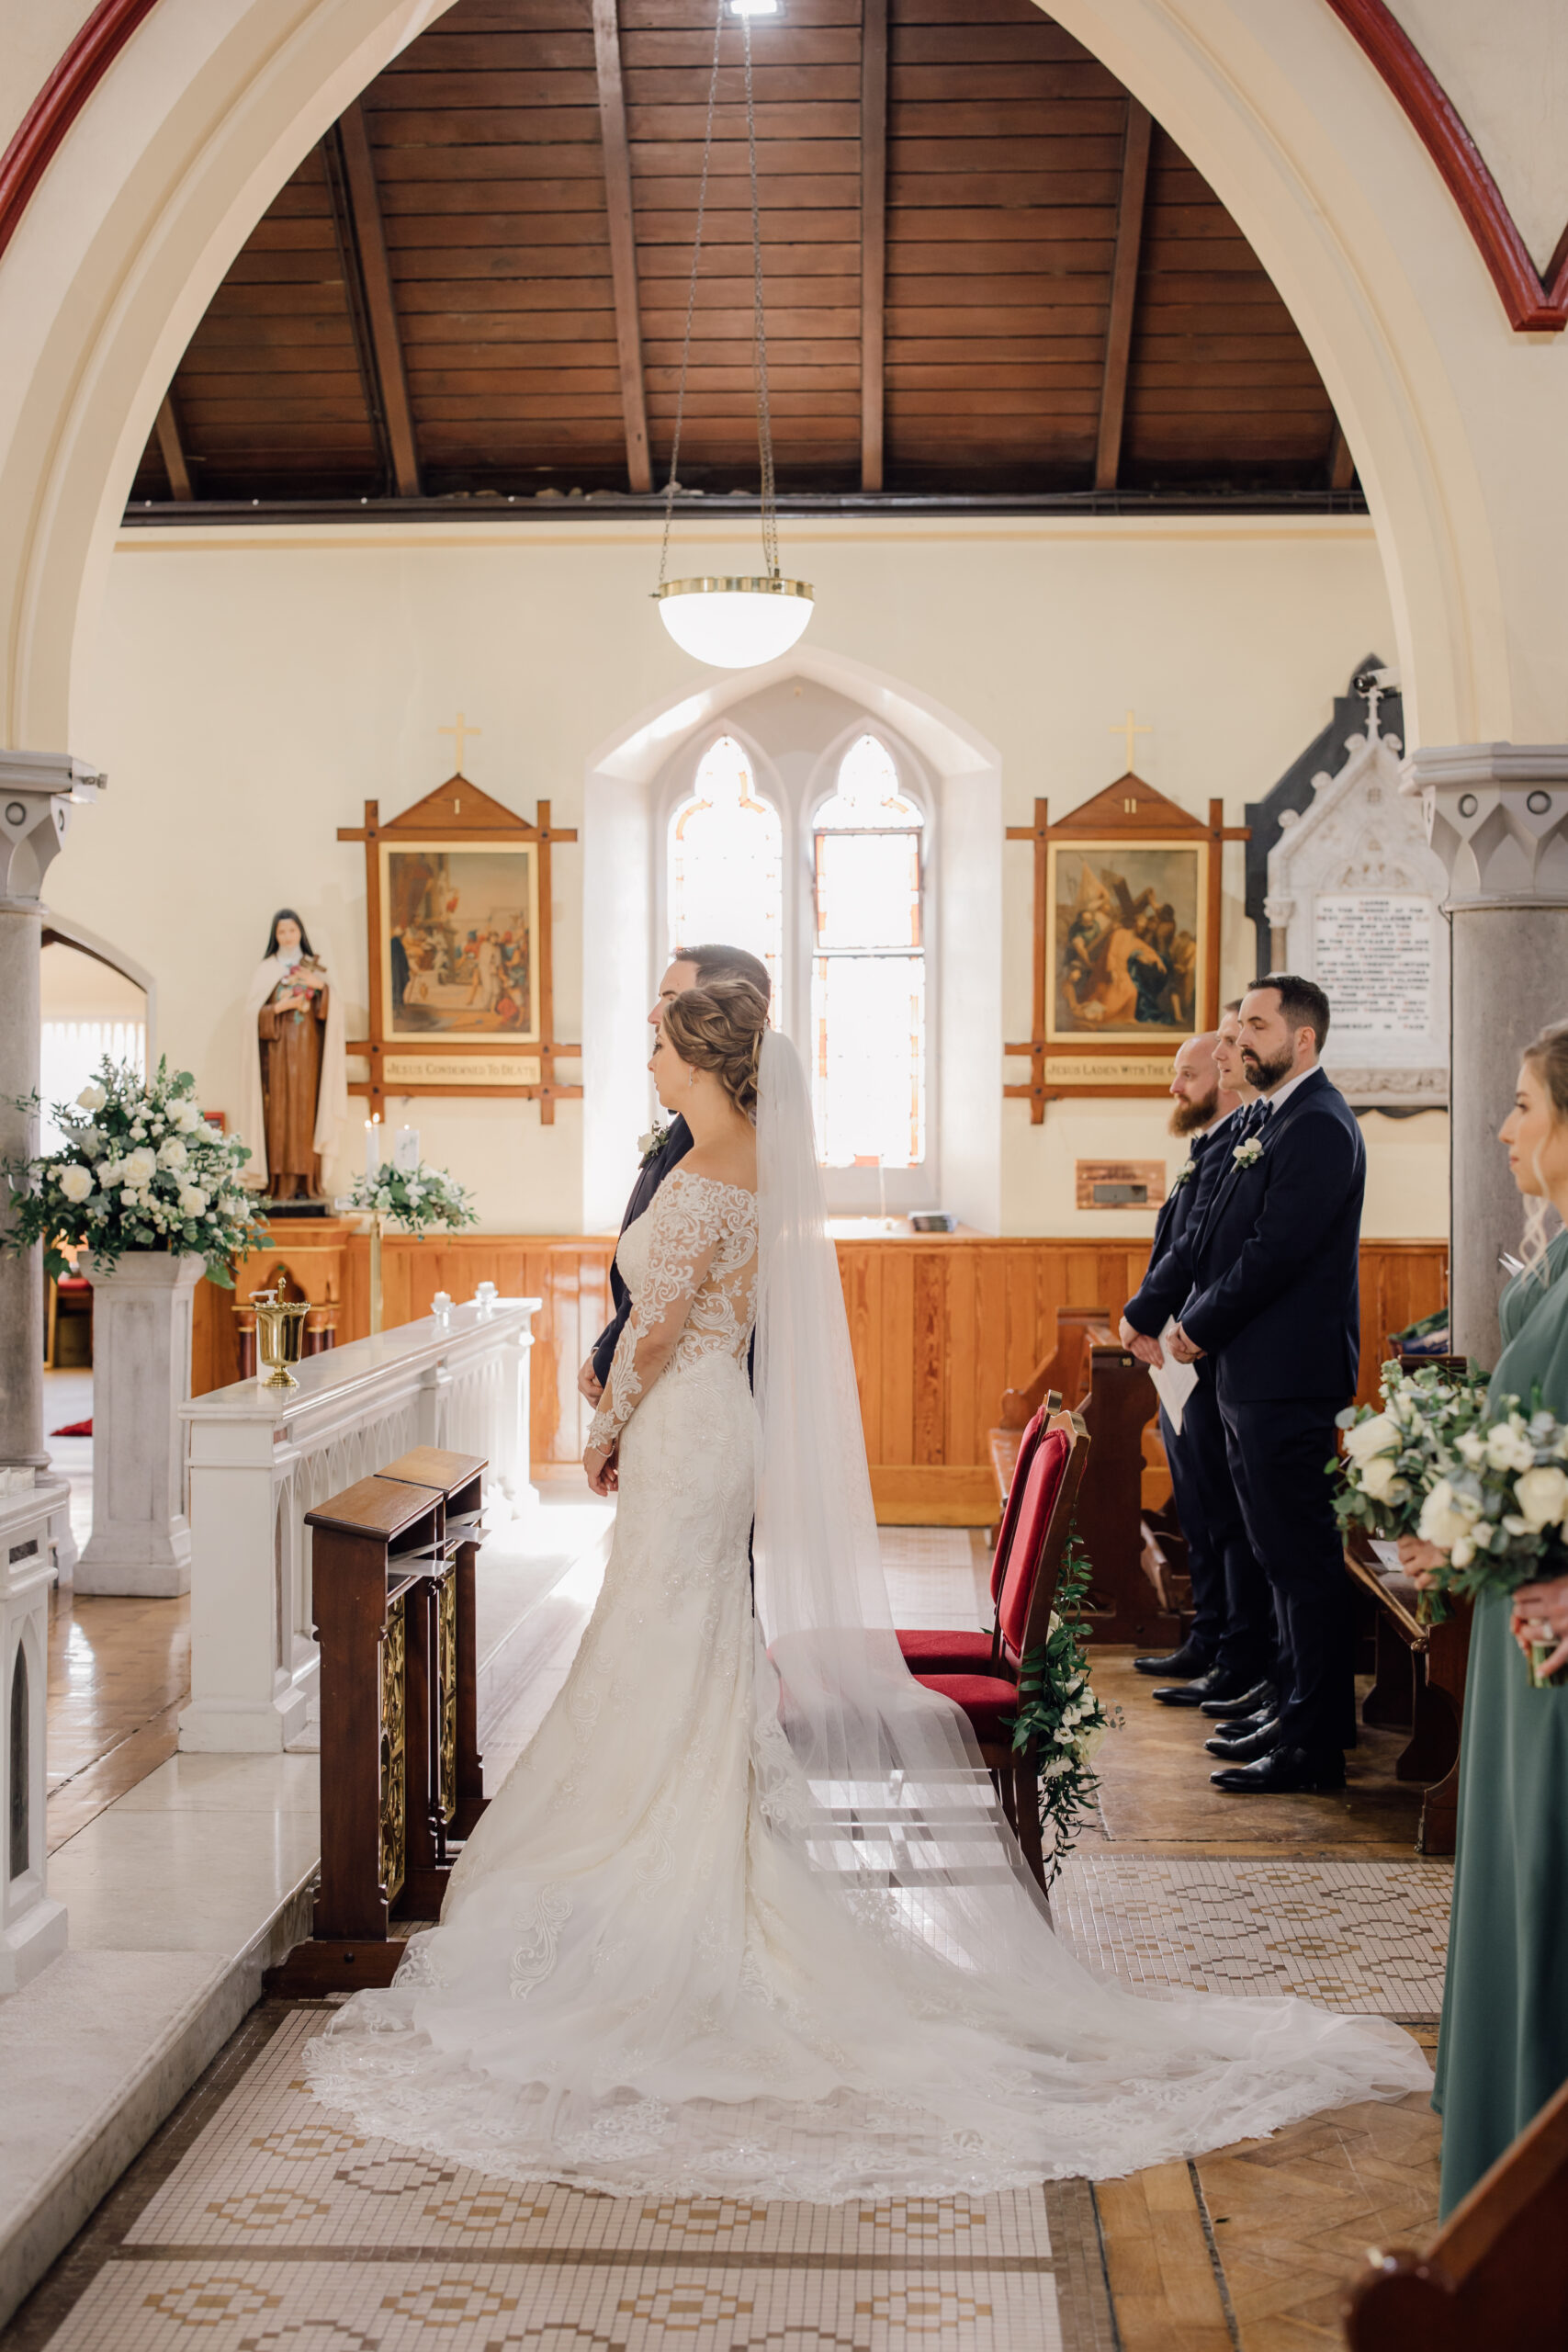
1508, 1447
645, 1144
1542, 1498
75, 1183
129, 1198
193, 1200
140, 1166
1378, 1481
1473, 1447
91, 1097
1462, 1552
1380, 1435
172, 1153
1447, 1517
186, 1116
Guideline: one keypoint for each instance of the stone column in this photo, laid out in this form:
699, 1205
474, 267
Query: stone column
37, 790
1498, 813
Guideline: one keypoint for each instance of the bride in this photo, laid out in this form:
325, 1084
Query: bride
745, 1917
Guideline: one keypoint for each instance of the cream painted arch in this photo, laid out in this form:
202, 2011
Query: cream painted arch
1454, 421
160, 179
622, 835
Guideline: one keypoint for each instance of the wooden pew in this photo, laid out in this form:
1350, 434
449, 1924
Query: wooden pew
1419, 1684
1493, 2278
1095, 1375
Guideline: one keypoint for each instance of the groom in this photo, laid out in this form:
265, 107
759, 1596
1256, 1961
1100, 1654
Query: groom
693, 968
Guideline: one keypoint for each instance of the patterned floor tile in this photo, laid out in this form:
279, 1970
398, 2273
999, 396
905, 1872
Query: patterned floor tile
1369, 1936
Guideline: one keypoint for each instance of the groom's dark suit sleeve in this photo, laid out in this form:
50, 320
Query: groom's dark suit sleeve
677, 1144
1169, 1277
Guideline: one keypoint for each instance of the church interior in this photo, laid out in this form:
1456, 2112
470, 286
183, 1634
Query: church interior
1036, 525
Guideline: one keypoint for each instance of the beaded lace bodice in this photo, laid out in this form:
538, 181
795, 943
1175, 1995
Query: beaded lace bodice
690, 1262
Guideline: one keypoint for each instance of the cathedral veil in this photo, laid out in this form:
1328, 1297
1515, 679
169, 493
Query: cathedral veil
905, 1801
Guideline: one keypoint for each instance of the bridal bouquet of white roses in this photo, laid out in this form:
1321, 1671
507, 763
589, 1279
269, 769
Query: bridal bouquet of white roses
140, 1169
411, 1198
1499, 1511
1394, 1455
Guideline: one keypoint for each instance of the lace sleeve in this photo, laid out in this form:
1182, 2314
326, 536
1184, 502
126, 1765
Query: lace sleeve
683, 1240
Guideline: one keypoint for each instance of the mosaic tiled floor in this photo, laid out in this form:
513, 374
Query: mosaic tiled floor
1365, 1936
255, 2224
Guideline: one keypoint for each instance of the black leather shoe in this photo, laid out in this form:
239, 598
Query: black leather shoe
1284, 1772
1205, 1691
1230, 1709
1248, 1747
1239, 1727
1186, 1661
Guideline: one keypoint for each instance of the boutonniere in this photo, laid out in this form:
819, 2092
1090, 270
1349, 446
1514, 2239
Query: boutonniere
1188, 1170
1249, 1154
652, 1144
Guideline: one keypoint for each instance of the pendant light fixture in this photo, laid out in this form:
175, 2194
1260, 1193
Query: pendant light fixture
733, 621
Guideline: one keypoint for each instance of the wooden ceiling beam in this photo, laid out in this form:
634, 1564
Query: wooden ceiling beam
623, 239
873, 238
1124, 295
367, 237
171, 442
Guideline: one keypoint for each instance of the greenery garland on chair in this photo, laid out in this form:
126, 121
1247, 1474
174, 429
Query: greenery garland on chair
1059, 1711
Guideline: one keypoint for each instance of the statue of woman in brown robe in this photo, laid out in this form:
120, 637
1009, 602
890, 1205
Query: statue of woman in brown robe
298, 1042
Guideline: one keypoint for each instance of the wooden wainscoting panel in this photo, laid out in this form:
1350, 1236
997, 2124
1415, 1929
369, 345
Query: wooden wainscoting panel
940, 1324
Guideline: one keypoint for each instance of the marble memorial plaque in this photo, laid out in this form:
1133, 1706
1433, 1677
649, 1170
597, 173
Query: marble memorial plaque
1374, 958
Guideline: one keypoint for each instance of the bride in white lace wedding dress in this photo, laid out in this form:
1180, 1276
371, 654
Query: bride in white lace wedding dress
745, 1916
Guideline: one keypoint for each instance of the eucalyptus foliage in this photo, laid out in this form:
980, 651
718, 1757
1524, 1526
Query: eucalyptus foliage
1057, 1708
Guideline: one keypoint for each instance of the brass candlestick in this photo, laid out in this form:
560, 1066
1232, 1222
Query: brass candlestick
280, 1335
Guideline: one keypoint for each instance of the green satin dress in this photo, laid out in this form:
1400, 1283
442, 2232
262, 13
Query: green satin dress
1504, 2047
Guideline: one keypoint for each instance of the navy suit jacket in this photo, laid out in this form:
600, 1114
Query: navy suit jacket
1275, 1294
1169, 1279
675, 1147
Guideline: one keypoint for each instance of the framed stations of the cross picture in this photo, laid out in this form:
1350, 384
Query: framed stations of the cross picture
457, 902
1126, 941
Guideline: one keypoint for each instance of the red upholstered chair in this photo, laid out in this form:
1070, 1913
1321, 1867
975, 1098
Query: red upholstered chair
989, 1697
1042, 1458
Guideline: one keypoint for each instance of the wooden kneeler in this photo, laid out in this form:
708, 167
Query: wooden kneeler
392, 1585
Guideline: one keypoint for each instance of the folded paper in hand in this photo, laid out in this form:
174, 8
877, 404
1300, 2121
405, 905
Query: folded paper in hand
1173, 1383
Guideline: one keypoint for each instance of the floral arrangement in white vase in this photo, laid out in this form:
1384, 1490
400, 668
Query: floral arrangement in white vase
140, 1169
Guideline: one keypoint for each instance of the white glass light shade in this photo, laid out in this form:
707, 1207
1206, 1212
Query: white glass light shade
735, 623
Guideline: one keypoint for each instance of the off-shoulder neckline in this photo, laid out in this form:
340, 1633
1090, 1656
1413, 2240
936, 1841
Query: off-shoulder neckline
692, 1176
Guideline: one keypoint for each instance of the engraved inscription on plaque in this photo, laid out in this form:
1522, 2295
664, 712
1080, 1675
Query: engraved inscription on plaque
1374, 958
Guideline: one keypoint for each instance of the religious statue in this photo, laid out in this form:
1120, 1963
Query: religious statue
294, 1082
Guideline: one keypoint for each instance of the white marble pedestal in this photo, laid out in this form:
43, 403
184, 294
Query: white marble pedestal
142, 1340
32, 1927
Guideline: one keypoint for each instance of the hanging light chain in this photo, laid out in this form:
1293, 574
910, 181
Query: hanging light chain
692, 295
760, 328
759, 319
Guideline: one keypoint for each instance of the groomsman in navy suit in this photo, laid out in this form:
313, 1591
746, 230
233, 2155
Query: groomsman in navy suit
1275, 1301
692, 967
1205, 1110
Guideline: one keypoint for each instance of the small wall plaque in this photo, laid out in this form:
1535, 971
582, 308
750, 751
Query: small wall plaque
1120, 1183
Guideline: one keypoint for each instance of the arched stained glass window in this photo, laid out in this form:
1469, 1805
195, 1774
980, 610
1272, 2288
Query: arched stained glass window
868, 991
727, 861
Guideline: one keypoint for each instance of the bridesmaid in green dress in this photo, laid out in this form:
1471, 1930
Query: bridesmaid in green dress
1504, 2046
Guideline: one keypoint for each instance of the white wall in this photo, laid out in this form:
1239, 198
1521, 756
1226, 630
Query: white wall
248, 691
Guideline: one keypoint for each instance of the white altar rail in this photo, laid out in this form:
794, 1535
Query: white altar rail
259, 1458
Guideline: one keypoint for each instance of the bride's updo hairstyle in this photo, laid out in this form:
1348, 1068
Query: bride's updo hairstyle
719, 1028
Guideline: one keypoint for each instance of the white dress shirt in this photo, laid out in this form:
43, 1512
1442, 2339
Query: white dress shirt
1282, 1094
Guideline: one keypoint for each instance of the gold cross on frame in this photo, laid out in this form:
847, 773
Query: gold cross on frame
462, 731
1129, 727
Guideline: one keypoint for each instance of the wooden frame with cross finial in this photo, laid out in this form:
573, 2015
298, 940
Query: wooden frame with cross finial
1128, 815
488, 1063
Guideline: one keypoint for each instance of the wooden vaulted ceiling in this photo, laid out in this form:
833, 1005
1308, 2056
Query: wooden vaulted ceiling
987, 274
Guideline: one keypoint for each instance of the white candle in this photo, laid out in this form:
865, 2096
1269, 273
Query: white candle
373, 1149
405, 1149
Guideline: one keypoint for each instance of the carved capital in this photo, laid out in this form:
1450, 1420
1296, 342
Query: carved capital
38, 791
1279, 912
1497, 816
